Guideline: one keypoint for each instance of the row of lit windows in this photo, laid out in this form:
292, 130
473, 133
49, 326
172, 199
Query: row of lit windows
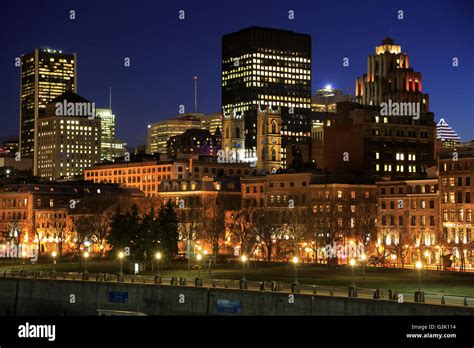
398, 168
452, 181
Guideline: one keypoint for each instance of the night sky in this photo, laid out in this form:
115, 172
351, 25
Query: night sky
166, 52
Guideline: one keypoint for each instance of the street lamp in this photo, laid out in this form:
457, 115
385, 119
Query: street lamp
295, 262
121, 255
352, 262
86, 256
363, 258
54, 254
419, 266
24, 255
199, 258
244, 259
427, 254
158, 258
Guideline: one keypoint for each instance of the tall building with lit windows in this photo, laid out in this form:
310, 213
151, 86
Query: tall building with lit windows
396, 147
383, 134
45, 74
326, 99
269, 67
68, 142
160, 132
111, 147
446, 134
389, 76
107, 139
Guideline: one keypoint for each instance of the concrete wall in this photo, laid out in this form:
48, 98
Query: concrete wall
53, 297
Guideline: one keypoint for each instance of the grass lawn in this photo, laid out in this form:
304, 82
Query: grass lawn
452, 283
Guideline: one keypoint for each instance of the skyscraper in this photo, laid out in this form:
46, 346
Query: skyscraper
160, 132
325, 99
267, 67
389, 77
107, 139
68, 138
446, 134
45, 74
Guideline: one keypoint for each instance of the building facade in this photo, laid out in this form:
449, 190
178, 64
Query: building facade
194, 142
68, 140
262, 66
34, 216
147, 176
408, 222
378, 146
446, 134
45, 74
110, 146
326, 99
456, 176
389, 77
160, 132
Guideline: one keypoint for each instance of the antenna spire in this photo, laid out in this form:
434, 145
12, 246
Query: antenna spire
110, 98
195, 93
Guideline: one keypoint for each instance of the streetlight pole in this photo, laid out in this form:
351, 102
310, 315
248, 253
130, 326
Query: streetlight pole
24, 254
419, 266
86, 255
244, 259
189, 253
121, 255
427, 254
158, 257
199, 257
419, 295
53, 254
352, 262
295, 262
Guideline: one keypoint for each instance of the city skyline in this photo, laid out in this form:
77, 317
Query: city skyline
277, 159
154, 96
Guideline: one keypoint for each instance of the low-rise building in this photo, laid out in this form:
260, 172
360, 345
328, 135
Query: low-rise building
456, 177
408, 222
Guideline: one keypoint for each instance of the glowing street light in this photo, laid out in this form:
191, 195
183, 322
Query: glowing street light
158, 258
24, 256
419, 266
295, 261
243, 258
121, 255
86, 256
199, 258
54, 254
352, 262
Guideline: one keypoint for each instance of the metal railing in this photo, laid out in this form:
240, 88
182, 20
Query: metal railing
270, 286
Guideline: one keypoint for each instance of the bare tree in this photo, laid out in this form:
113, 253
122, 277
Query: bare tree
363, 211
99, 210
297, 219
82, 232
242, 229
213, 229
268, 228
60, 229
190, 220
333, 217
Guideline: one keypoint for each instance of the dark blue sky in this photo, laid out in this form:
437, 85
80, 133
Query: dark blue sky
167, 52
